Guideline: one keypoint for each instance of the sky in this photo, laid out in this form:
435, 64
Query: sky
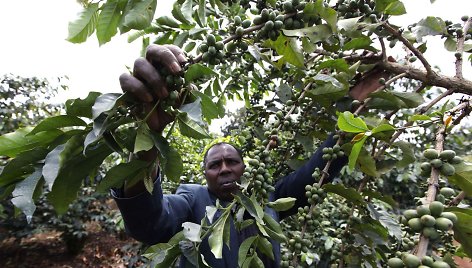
33, 43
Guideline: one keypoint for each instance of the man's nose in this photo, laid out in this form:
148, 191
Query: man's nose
224, 167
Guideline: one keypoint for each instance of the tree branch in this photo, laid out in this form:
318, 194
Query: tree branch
458, 85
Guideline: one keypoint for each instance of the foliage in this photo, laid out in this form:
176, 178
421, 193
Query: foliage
292, 64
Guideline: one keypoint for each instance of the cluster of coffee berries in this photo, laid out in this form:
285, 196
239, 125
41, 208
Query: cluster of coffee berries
238, 25
314, 194
174, 85
331, 153
429, 219
258, 175
212, 50
272, 21
356, 8
443, 161
298, 245
412, 261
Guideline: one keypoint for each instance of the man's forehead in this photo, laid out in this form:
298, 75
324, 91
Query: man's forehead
220, 150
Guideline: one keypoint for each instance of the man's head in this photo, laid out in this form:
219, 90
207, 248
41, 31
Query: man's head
224, 166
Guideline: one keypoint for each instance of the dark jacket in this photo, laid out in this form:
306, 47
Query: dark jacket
156, 218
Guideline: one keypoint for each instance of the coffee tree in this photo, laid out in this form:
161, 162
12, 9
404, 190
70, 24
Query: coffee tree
402, 200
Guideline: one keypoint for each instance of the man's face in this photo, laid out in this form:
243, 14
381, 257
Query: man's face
223, 169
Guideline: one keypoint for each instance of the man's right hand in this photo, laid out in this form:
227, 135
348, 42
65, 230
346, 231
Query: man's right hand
147, 84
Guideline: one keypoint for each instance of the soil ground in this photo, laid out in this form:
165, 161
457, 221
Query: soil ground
101, 250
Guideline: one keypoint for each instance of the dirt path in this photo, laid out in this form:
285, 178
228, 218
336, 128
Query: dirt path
47, 250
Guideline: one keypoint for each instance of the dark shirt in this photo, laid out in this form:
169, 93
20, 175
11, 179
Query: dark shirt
155, 218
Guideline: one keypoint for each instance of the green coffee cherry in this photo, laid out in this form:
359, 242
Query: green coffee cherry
447, 169
410, 214
447, 155
449, 215
395, 263
423, 210
447, 192
440, 264
431, 154
431, 233
428, 220
444, 224
415, 224
411, 261
437, 163
436, 208
427, 260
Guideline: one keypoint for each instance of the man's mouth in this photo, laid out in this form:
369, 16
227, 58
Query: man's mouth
229, 184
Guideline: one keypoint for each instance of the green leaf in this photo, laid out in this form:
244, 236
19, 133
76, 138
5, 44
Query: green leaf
315, 33
144, 141
23, 164
356, 148
419, 117
167, 21
163, 255
84, 25
395, 8
282, 204
23, 194
367, 163
410, 99
197, 71
290, 50
377, 195
215, 240
109, 20
181, 13
264, 246
169, 157
349, 25
327, 13
350, 194
138, 14
104, 103
116, 176
429, 26
82, 107
244, 249
348, 123
284, 92
192, 231
14, 143
70, 178
387, 220
55, 122
209, 108
272, 228
190, 128
463, 177
201, 13
337, 64
56, 158
463, 228
362, 42
407, 153
251, 205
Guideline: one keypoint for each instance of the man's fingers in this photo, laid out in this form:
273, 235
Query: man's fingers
178, 53
132, 85
152, 118
164, 55
146, 72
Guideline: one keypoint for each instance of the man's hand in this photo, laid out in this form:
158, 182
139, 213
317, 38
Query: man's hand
147, 84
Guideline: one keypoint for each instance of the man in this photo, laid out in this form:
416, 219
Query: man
155, 218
